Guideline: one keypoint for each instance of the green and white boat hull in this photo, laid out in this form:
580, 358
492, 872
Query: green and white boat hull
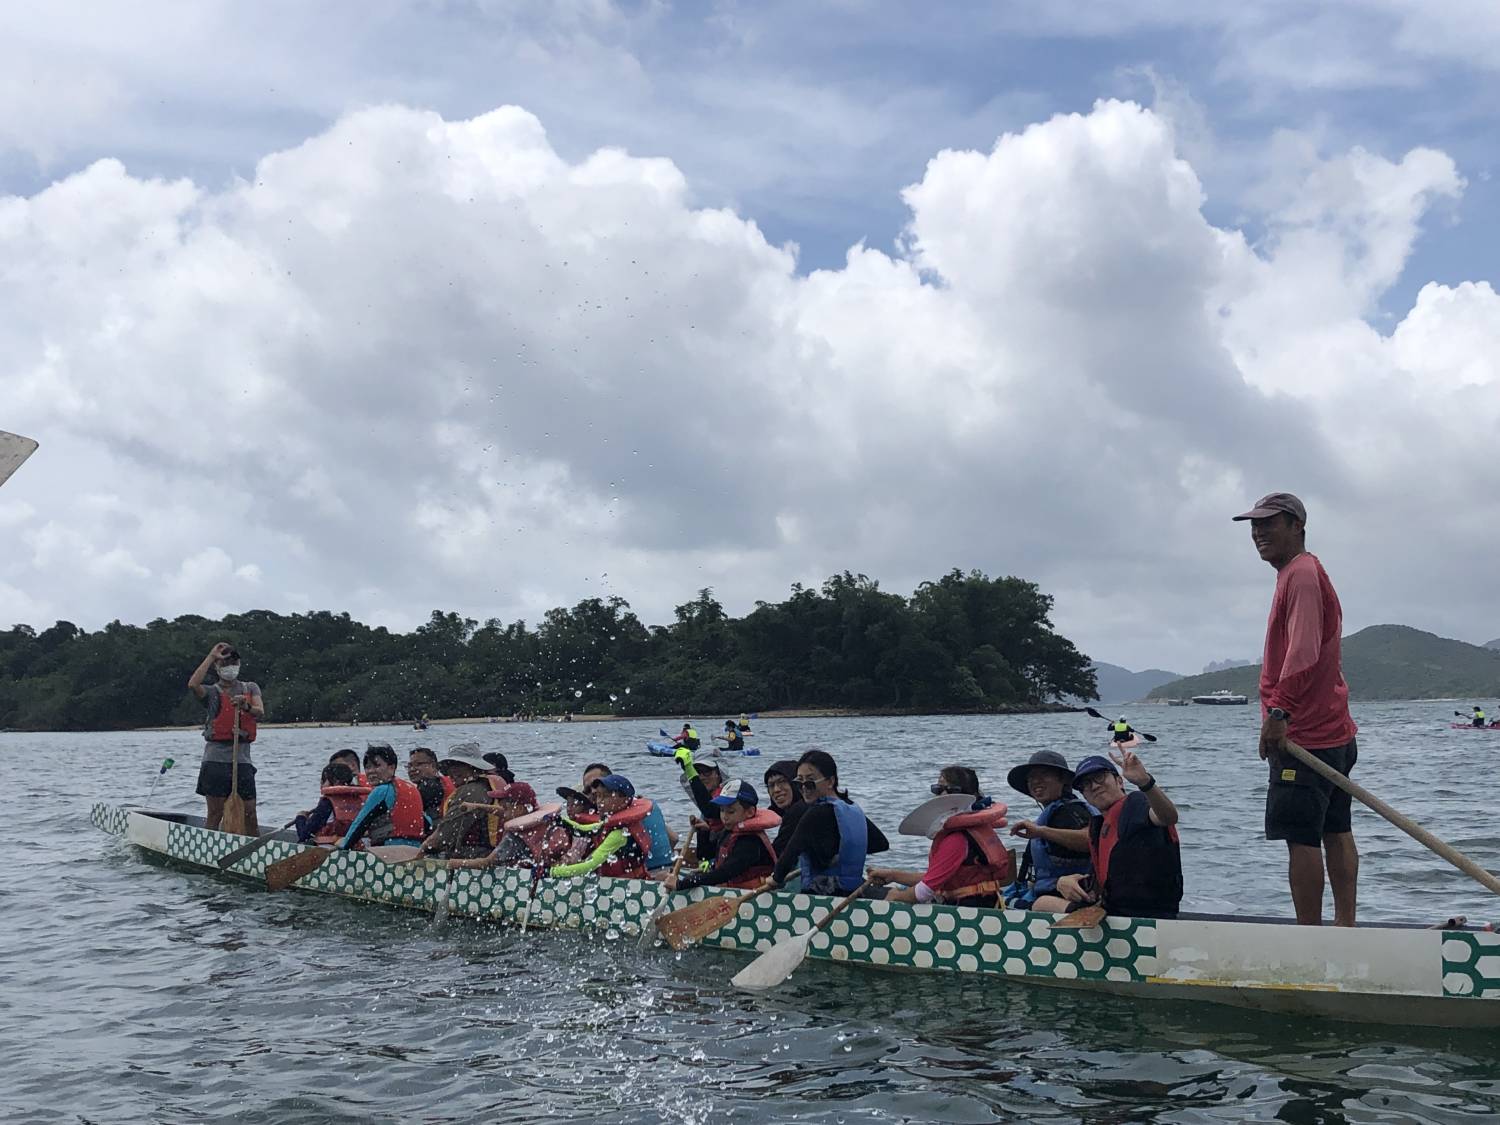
1376, 974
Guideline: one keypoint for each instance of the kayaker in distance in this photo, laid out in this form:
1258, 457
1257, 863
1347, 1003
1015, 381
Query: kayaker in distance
745, 856
1058, 839
1478, 716
688, 737
1303, 697
1120, 730
834, 835
230, 703
967, 864
1133, 847
733, 740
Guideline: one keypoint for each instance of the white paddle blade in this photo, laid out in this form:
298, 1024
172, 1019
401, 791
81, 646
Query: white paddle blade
775, 964
14, 449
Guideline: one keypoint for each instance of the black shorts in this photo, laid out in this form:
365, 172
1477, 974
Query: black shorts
1302, 806
213, 780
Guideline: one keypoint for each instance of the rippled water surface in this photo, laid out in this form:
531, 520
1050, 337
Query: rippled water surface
131, 991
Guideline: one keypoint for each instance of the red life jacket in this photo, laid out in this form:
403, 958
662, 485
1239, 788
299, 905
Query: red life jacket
988, 867
407, 821
1140, 877
448, 786
548, 838
628, 863
223, 725
758, 824
346, 800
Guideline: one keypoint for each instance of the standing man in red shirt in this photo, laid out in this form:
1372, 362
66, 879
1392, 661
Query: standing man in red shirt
1303, 697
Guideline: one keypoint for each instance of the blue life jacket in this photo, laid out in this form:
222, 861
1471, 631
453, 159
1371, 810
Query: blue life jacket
1047, 869
848, 867
661, 854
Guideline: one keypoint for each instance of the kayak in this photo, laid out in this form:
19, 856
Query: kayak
1471, 726
1129, 744
1401, 974
666, 750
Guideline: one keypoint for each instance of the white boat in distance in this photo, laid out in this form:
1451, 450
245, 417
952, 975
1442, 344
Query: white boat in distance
1221, 698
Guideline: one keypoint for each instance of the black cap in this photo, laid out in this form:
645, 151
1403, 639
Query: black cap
1049, 758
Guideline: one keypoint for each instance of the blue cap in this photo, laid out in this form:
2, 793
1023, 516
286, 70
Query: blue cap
1094, 763
737, 791
617, 783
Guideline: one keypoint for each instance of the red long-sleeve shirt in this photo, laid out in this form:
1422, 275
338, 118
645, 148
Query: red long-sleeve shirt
1300, 670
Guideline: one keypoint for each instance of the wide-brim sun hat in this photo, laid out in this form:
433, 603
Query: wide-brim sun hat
1017, 777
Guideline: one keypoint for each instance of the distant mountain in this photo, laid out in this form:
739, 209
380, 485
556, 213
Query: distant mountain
1492, 644
1121, 685
1381, 662
1225, 665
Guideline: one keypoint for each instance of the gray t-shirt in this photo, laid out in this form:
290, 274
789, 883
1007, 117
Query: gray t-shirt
212, 698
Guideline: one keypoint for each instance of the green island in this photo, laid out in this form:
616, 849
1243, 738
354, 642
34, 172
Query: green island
965, 642
1381, 662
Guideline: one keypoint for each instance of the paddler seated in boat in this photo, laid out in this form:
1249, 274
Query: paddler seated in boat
967, 864
786, 800
392, 813
464, 830
422, 771
702, 779
834, 836
1120, 730
745, 856
516, 801
1058, 839
663, 852
1479, 716
622, 841
744, 725
311, 822
732, 739
1132, 844
350, 758
688, 737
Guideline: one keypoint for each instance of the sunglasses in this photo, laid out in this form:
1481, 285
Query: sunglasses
809, 782
940, 789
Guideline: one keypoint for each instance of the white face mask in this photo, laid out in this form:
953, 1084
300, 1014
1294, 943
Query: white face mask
229, 672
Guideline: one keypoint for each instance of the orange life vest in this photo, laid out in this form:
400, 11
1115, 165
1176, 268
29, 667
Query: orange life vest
223, 725
988, 867
346, 800
758, 825
628, 863
448, 786
407, 821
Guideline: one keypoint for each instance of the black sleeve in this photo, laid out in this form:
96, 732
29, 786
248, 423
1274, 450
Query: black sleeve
875, 840
817, 835
746, 853
703, 799
790, 818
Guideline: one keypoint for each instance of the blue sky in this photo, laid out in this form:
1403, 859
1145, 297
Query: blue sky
1296, 126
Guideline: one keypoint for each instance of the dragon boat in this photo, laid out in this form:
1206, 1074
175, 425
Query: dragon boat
1389, 973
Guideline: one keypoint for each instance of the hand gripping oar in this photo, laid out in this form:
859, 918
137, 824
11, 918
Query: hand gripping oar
1410, 827
233, 819
699, 919
1143, 734
14, 449
648, 927
230, 858
283, 873
780, 961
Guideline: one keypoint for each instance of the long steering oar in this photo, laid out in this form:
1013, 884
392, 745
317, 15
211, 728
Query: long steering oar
14, 449
283, 873
234, 805
697, 920
1410, 827
1143, 734
230, 858
780, 961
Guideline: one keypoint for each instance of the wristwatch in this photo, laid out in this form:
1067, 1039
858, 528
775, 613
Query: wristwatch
1278, 714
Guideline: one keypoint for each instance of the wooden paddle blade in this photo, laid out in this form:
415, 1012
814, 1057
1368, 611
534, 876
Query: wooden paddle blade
1083, 919
14, 449
234, 815
696, 921
229, 859
284, 873
775, 964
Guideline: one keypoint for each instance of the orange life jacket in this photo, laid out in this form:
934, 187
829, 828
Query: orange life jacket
547, 837
988, 867
628, 863
758, 825
407, 821
448, 786
223, 725
346, 800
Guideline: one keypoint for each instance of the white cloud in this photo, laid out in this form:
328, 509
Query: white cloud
416, 363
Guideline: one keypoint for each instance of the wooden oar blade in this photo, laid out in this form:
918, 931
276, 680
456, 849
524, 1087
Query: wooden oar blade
774, 965
229, 859
284, 873
694, 922
14, 449
234, 820
1083, 919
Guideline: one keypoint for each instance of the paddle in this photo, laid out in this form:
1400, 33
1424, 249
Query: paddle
14, 449
230, 858
234, 818
1143, 734
283, 873
1410, 827
648, 931
1081, 919
780, 961
166, 764
697, 920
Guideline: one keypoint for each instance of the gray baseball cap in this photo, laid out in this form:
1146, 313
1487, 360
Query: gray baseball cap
1274, 504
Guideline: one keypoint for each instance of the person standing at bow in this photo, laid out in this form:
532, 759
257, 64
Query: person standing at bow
230, 705
1303, 697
